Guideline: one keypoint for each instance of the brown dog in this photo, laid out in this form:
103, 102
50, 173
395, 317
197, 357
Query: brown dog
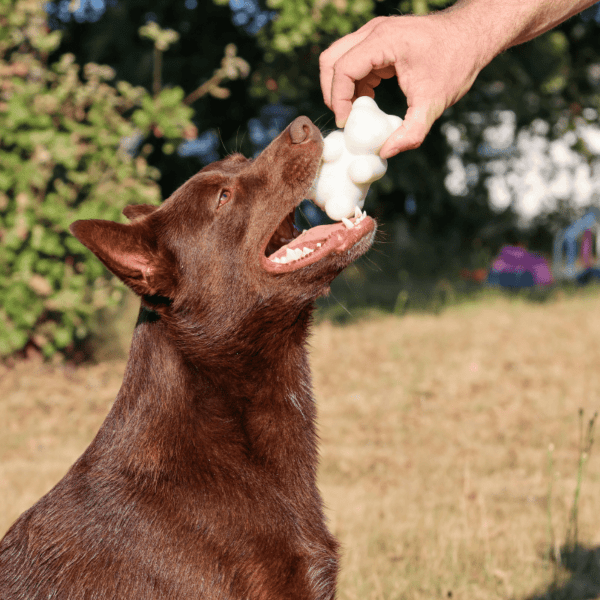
201, 480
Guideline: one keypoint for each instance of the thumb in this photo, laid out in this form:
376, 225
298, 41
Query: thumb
410, 134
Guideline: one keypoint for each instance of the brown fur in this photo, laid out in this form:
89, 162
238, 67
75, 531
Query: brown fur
201, 481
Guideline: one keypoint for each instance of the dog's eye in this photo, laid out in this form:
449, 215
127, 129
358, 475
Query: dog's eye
224, 197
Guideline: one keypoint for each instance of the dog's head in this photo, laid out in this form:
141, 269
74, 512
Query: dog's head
224, 244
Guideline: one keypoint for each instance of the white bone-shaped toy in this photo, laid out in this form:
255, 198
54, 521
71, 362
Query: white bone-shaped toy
351, 161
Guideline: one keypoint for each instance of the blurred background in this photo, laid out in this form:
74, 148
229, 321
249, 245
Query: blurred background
109, 102
455, 366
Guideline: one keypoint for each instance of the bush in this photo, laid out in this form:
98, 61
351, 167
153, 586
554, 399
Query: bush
68, 141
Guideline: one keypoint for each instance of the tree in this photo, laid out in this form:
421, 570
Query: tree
550, 78
66, 137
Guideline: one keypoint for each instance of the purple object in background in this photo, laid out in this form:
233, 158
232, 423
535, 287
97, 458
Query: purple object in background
516, 267
586, 248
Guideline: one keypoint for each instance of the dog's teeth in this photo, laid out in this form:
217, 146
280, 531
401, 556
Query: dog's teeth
319, 245
357, 213
349, 224
291, 255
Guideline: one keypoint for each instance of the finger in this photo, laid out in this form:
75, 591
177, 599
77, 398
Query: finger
366, 86
353, 66
372, 80
363, 91
329, 57
410, 134
386, 72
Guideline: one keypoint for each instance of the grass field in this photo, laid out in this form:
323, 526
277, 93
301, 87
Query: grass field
435, 443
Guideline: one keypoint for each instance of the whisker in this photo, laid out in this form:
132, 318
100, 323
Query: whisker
374, 249
327, 118
331, 295
372, 263
240, 143
299, 207
227, 153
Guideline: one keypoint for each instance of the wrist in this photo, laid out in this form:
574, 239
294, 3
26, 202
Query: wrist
497, 25
469, 24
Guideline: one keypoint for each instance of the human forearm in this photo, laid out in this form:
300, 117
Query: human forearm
435, 58
500, 24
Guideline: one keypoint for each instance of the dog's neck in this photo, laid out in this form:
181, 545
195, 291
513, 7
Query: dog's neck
170, 416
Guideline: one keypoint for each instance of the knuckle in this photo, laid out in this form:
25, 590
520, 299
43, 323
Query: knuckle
383, 26
414, 143
378, 21
414, 139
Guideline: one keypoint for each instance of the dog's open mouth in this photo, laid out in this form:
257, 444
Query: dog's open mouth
289, 250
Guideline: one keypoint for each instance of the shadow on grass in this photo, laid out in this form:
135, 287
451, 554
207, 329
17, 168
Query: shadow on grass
583, 581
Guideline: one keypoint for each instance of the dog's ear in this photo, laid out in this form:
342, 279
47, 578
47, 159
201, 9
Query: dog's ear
131, 252
135, 211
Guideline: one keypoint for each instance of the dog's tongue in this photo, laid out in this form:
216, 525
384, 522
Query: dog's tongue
308, 239
314, 235
322, 240
313, 239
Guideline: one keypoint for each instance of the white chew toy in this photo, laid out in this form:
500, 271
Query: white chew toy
351, 161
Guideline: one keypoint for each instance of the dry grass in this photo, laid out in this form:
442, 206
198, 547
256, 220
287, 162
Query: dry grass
435, 435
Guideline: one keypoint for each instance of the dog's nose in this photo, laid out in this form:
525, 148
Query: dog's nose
301, 130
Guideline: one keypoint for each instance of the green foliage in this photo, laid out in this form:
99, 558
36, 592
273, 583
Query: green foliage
162, 38
572, 553
422, 7
305, 21
66, 136
553, 79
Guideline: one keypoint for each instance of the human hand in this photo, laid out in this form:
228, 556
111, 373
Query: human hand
433, 57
